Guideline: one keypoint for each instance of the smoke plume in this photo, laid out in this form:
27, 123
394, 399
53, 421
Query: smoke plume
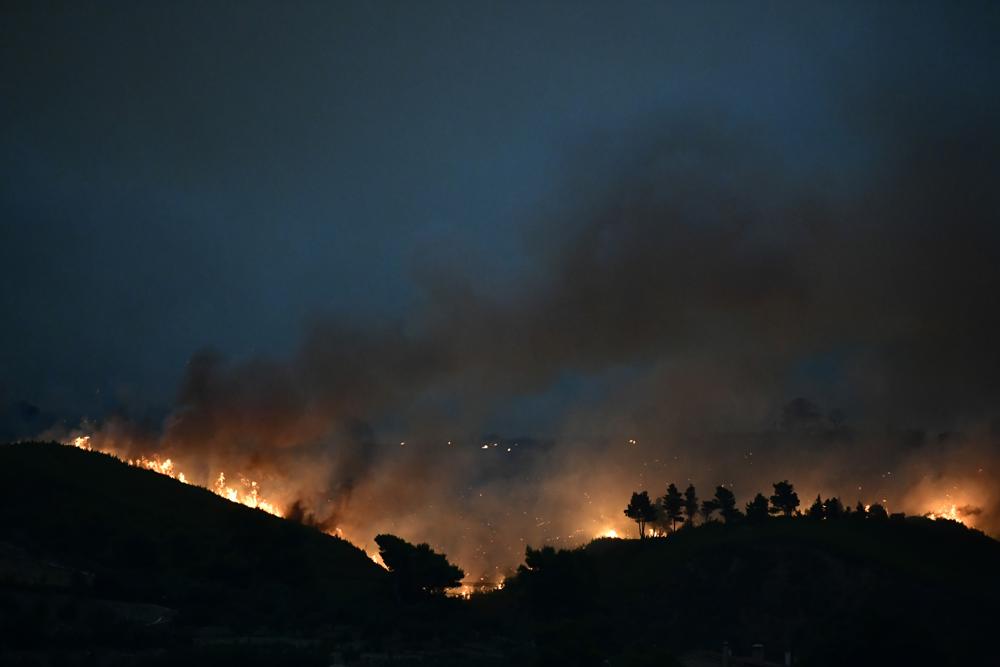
690, 280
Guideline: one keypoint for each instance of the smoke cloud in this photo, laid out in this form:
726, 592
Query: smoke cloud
691, 278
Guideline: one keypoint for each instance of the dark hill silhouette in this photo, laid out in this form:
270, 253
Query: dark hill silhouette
906, 592
86, 526
112, 564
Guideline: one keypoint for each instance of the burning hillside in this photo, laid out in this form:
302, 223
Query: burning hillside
482, 507
687, 306
247, 492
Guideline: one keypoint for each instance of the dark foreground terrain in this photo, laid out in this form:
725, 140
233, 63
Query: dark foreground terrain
105, 564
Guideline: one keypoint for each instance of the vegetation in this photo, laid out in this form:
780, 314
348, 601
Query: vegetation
690, 504
417, 570
846, 590
784, 501
92, 513
726, 502
97, 556
757, 509
673, 506
642, 511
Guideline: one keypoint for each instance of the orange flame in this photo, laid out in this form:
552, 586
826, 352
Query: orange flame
247, 492
953, 513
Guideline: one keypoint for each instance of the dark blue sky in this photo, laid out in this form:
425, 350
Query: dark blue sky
175, 176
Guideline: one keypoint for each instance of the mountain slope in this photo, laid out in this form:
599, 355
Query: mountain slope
849, 591
121, 533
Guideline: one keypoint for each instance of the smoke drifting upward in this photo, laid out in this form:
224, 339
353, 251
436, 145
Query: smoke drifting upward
690, 280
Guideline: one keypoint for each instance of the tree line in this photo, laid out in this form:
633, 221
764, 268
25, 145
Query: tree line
418, 571
675, 509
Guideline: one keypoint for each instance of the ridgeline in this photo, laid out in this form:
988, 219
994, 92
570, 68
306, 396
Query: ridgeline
102, 563
910, 591
96, 552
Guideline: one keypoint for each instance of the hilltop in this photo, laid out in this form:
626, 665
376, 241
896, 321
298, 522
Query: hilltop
105, 563
901, 591
91, 546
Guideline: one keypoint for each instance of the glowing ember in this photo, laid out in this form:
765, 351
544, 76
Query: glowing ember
482, 585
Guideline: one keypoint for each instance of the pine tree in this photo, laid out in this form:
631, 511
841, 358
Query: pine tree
833, 508
785, 500
417, 569
641, 510
673, 506
727, 504
707, 508
815, 510
757, 509
690, 504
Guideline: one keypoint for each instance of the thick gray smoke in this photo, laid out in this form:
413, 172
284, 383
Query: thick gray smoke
691, 278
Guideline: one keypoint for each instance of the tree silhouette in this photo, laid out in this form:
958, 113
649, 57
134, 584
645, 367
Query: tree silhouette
815, 510
757, 509
538, 559
690, 504
417, 570
707, 508
660, 525
785, 500
673, 506
859, 511
641, 510
877, 512
727, 504
833, 508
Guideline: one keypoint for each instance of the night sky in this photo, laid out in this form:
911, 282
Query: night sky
261, 226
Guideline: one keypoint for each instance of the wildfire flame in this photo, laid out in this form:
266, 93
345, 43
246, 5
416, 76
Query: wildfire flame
247, 492
953, 512
377, 559
931, 502
482, 585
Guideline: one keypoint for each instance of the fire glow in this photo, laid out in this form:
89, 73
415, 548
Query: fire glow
477, 587
247, 492
957, 499
963, 514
